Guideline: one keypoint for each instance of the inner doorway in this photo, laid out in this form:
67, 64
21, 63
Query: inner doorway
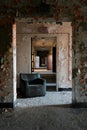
43, 59
43, 54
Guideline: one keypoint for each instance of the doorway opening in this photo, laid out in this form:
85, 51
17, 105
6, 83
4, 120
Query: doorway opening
43, 54
22, 40
43, 59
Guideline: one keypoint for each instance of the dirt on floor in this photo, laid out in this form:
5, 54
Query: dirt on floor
43, 118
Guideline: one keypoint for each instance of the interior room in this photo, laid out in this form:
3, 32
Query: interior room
49, 55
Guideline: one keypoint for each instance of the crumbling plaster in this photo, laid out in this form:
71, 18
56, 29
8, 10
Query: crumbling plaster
79, 63
6, 76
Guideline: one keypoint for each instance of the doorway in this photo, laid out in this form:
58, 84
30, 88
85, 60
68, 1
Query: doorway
23, 42
43, 59
43, 54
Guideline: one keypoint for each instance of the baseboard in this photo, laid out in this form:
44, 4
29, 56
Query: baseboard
79, 105
73, 105
64, 89
6, 105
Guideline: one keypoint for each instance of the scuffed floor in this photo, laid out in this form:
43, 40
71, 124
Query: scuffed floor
51, 98
44, 118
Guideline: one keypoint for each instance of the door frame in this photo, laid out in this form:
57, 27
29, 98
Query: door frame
14, 44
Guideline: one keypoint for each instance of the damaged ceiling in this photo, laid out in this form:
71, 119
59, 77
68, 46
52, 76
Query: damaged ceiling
58, 9
43, 43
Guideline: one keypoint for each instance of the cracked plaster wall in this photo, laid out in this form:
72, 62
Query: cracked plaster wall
79, 62
6, 78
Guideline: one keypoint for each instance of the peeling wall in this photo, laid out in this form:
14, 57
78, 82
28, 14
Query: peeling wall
64, 61
80, 62
6, 78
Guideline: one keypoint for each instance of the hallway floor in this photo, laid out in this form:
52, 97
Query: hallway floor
44, 118
51, 98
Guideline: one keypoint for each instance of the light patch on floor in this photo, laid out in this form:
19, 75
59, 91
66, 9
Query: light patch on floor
43, 71
51, 98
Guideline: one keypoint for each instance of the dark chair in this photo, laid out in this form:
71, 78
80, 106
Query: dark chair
31, 85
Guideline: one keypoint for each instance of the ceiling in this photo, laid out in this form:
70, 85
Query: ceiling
57, 9
43, 43
40, 7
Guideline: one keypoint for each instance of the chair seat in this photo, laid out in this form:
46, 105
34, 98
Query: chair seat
35, 90
31, 85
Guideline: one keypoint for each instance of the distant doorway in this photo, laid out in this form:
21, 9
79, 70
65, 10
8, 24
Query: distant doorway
43, 57
54, 59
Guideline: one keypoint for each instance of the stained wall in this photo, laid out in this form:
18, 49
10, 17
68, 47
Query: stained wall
79, 61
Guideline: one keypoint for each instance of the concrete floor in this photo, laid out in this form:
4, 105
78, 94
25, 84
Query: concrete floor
51, 98
44, 118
